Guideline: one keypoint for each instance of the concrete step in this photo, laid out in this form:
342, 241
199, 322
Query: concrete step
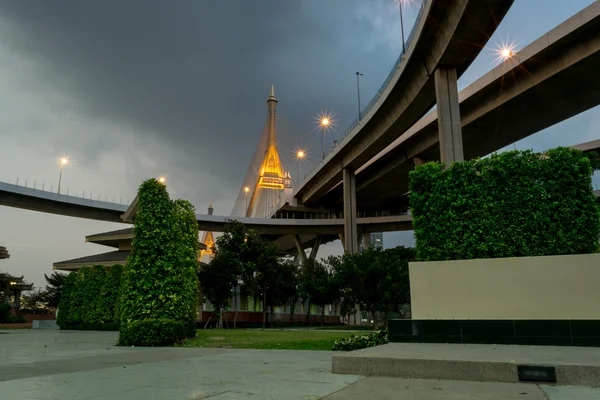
472, 362
44, 324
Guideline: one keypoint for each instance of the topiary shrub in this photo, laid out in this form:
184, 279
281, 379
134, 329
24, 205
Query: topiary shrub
159, 280
361, 342
64, 316
109, 293
152, 332
512, 204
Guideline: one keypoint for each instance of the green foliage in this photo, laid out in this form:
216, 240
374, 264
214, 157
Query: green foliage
89, 297
106, 304
16, 319
376, 279
152, 332
64, 317
513, 204
242, 256
361, 342
4, 313
31, 311
53, 290
160, 282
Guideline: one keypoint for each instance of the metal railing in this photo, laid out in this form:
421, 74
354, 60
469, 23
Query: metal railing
337, 215
45, 189
381, 90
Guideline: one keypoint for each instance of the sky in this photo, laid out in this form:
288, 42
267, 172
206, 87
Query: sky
143, 88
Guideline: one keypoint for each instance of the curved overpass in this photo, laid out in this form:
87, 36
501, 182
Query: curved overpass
450, 34
552, 79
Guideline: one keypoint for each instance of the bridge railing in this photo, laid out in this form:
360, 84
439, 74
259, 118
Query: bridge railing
344, 134
337, 215
45, 190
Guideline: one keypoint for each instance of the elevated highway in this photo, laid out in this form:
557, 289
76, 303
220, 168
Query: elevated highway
280, 230
552, 79
446, 39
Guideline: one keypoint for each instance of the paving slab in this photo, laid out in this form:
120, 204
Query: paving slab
388, 388
470, 362
58, 365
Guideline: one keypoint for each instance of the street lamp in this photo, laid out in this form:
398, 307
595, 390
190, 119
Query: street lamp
358, 89
63, 161
400, 2
326, 123
300, 154
246, 190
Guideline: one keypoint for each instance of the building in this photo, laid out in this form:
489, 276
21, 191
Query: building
374, 239
120, 240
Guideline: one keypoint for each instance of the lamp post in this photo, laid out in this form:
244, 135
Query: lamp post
300, 154
325, 122
358, 90
63, 161
402, 26
246, 190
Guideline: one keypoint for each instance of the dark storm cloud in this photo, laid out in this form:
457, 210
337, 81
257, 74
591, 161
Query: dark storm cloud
196, 73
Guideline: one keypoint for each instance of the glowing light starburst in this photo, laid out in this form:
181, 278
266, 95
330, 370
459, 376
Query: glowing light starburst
505, 51
326, 121
300, 154
64, 160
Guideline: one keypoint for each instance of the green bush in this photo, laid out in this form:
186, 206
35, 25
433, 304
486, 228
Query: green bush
34, 311
89, 298
16, 319
513, 204
152, 332
160, 278
4, 313
64, 316
107, 302
361, 342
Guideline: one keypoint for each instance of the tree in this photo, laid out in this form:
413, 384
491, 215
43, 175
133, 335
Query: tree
159, 292
282, 286
54, 286
217, 278
376, 279
243, 259
32, 299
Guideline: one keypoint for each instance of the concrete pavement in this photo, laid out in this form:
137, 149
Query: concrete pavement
73, 365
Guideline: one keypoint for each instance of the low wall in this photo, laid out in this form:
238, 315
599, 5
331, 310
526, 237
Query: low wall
38, 317
527, 288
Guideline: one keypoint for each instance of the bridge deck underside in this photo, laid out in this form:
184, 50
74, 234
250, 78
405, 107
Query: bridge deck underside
542, 91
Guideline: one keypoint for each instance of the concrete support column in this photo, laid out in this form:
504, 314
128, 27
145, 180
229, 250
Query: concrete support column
350, 226
341, 236
449, 125
315, 249
300, 249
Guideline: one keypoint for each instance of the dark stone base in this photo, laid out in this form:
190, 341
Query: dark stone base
521, 332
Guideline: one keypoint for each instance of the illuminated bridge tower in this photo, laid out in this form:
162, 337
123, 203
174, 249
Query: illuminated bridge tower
261, 190
208, 240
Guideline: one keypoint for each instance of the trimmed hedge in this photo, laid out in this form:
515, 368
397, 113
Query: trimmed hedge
513, 204
89, 297
160, 281
152, 332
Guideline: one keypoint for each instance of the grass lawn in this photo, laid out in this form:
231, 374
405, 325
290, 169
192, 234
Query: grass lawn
269, 339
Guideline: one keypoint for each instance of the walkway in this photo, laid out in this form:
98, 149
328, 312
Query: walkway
61, 365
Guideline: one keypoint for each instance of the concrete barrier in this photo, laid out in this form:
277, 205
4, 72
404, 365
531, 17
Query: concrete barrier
524, 288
